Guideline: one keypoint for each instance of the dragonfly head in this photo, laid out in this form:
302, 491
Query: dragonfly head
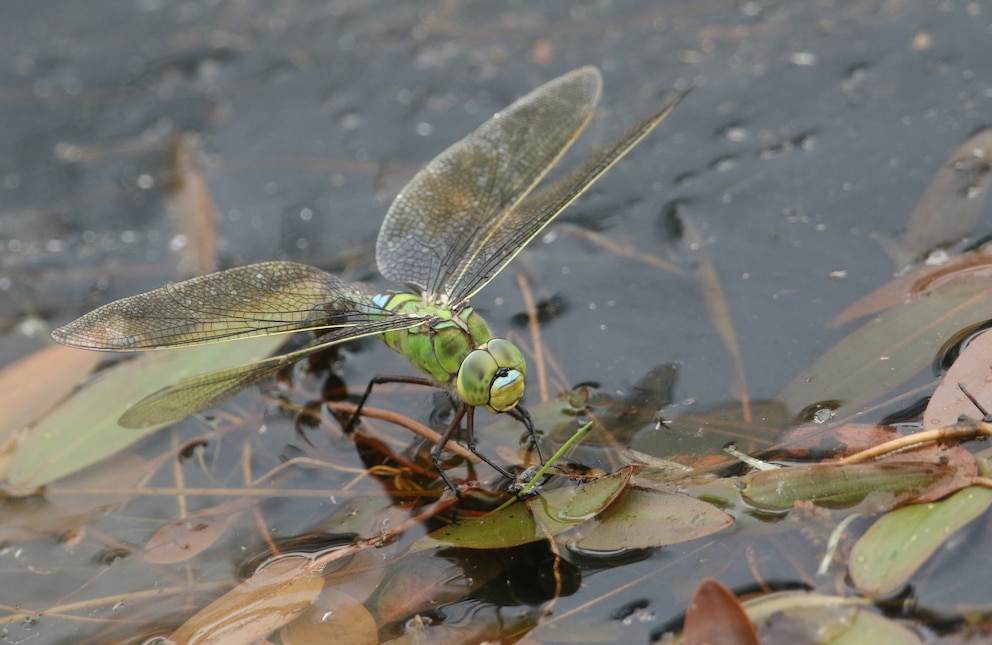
492, 375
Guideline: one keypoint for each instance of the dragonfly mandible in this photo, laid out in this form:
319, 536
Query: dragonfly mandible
448, 233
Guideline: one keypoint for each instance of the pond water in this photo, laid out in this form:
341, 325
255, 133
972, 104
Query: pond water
702, 269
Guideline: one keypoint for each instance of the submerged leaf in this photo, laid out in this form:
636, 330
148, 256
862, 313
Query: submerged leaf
334, 618
274, 596
183, 539
950, 207
424, 581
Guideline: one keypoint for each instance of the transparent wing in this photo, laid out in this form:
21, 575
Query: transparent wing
439, 223
254, 300
510, 233
192, 395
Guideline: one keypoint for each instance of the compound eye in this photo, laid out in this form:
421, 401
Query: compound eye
475, 376
492, 376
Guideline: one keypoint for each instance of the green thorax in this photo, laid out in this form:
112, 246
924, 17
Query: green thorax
437, 347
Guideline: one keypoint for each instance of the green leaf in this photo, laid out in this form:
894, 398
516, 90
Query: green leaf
825, 620
838, 485
885, 557
893, 347
556, 511
84, 429
642, 519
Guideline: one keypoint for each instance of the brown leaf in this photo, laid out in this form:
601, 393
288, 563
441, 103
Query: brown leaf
274, 596
334, 618
973, 369
186, 538
716, 617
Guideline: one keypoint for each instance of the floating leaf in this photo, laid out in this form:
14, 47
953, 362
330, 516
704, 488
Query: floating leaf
891, 348
642, 519
971, 369
558, 510
888, 554
34, 384
274, 596
839, 485
799, 617
716, 617
84, 429
918, 283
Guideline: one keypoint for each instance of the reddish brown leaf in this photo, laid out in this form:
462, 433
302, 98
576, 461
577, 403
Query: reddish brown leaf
973, 369
716, 617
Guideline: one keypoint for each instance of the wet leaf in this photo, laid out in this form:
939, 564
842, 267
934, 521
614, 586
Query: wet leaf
192, 204
485, 626
919, 283
277, 594
888, 554
77, 500
798, 617
182, 539
950, 207
642, 519
840, 485
335, 617
716, 617
890, 349
424, 581
971, 369
816, 441
84, 429
33, 385
557, 510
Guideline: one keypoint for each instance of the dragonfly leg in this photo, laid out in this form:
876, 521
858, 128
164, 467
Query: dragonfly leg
523, 416
468, 412
379, 379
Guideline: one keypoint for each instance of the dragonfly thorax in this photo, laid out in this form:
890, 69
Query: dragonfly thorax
456, 349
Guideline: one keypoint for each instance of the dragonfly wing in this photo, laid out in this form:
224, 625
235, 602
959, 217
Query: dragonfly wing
198, 393
253, 300
439, 221
508, 234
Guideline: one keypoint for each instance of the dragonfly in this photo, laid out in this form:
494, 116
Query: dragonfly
458, 223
